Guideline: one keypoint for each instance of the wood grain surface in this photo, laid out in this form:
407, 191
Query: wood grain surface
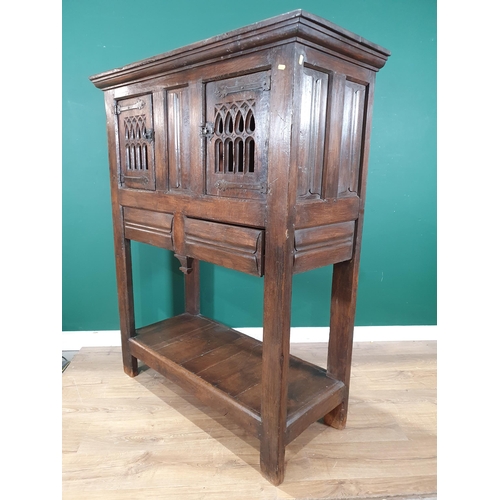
144, 437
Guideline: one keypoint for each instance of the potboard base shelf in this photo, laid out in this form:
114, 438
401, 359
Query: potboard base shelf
223, 367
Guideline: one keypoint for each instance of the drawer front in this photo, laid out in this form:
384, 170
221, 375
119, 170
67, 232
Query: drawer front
323, 245
235, 247
154, 228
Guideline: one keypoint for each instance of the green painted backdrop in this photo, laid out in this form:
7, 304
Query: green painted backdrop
397, 284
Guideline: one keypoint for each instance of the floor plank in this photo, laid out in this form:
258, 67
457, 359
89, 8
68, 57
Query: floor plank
144, 437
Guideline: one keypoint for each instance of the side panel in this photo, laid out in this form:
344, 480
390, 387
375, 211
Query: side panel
352, 137
332, 104
312, 136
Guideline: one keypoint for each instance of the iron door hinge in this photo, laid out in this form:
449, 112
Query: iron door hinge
139, 104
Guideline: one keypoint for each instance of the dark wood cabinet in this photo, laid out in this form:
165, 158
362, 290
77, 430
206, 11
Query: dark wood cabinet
248, 150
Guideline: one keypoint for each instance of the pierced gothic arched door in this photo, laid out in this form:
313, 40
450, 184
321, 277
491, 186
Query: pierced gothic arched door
136, 142
237, 116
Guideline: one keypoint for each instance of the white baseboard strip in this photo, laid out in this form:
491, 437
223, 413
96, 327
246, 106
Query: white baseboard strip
74, 341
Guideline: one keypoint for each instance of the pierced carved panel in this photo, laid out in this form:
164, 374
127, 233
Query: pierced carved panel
136, 151
236, 132
136, 142
234, 137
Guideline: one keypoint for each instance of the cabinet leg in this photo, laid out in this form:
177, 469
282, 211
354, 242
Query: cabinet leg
275, 360
272, 441
126, 303
192, 288
343, 308
272, 461
337, 418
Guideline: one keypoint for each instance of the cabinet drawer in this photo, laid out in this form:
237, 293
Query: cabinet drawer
323, 245
235, 247
146, 226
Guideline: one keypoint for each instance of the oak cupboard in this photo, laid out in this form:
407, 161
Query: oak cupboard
248, 150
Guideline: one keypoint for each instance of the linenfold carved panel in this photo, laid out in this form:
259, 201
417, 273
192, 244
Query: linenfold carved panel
352, 132
312, 133
332, 111
178, 147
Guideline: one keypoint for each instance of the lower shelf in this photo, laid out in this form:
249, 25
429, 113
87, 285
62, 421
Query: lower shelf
223, 367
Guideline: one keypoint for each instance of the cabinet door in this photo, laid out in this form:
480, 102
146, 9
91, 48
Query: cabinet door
237, 112
136, 142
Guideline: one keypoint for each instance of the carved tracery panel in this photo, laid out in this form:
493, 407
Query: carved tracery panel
236, 132
136, 142
234, 138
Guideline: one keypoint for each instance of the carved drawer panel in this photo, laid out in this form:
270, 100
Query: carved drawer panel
236, 247
154, 228
323, 245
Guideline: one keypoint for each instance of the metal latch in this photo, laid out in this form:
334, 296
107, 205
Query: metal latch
207, 130
148, 134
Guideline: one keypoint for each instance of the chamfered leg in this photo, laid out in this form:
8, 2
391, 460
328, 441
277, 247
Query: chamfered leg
342, 312
125, 301
275, 360
192, 288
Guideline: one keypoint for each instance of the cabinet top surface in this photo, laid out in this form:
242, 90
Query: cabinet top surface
297, 25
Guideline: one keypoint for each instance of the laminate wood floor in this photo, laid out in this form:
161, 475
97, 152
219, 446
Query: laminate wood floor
145, 438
